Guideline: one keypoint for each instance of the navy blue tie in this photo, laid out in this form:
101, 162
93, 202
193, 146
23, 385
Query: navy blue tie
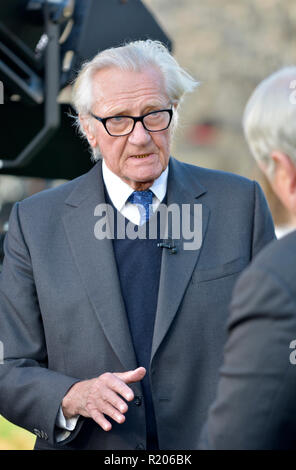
143, 199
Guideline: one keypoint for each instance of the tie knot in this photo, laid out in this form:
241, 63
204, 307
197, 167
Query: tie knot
143, 199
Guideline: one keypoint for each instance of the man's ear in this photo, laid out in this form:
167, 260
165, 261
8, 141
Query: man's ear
284, 169
85, 123
284, 179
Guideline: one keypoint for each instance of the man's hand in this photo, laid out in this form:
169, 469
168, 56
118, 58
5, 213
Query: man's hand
101, 396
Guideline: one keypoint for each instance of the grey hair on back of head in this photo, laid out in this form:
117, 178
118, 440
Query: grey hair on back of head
269, 119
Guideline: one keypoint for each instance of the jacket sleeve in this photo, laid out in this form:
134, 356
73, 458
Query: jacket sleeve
30, 393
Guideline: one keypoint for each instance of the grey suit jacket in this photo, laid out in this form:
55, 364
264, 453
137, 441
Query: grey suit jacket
62, 316
255, 406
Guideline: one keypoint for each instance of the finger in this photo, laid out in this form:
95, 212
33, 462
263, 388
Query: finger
112, 383
100, 419
116, 401
131, 376
112, 412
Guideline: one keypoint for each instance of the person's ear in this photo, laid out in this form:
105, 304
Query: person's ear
85, 123
284, 170
283, 180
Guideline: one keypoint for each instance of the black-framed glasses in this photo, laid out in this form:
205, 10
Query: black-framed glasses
118, 126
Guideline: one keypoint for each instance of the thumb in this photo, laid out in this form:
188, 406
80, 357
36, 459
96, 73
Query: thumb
131, 376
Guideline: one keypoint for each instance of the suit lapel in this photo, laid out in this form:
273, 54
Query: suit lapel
96, 263
176, 269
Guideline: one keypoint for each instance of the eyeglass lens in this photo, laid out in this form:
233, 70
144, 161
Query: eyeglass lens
155, 121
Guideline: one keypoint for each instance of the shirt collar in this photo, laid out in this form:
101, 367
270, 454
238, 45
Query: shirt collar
119, 191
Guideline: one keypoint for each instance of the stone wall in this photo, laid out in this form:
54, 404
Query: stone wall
229, 46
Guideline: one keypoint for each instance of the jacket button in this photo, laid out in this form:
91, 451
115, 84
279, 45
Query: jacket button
138, 401
140, 446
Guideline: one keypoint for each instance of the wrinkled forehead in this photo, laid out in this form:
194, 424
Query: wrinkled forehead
116, 90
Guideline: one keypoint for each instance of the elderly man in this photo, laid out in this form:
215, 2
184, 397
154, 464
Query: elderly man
114, 341
255, 404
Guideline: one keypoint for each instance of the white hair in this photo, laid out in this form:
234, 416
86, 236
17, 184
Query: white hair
269, 120
135, 56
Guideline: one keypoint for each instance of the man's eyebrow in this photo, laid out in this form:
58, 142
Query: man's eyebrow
146, 109
155, 107
119, 113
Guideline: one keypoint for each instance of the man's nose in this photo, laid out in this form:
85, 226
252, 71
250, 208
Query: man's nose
139, 135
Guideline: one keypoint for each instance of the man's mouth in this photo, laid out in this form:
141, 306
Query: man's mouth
143, 155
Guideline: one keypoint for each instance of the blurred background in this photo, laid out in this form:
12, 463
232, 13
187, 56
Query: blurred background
228, 46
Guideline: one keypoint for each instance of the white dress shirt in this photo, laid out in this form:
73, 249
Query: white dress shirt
119, 192
282, 230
